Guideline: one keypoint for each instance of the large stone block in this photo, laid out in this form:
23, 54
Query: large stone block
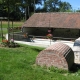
58, 55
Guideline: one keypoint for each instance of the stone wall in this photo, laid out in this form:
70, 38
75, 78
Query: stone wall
17, 36
58, 55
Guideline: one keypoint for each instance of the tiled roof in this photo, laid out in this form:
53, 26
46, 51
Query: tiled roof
54, 20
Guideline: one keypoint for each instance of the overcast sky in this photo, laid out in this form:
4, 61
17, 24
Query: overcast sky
75, 3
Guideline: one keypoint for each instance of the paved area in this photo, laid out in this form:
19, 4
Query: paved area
46, 42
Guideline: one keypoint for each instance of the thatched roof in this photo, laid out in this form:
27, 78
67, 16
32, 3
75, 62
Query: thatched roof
54, 20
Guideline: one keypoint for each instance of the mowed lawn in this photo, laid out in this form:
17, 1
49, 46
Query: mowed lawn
15, 24
19, 64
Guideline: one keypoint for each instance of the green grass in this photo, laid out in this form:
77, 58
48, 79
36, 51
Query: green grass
15, 24
0, 39
19, 64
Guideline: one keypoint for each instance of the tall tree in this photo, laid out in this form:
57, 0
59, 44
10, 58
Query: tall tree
30, 6
78, 10
55, 6
52, 5
17, 7
65, 7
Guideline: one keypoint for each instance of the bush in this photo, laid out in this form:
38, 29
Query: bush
49, 36
11, 43
5, 43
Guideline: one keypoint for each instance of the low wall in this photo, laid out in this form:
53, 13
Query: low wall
17, 36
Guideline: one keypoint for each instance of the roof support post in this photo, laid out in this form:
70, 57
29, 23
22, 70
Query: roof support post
79, 32
1, 30
8, 24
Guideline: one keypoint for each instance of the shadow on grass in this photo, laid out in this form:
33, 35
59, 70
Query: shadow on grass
75, 68
37, 49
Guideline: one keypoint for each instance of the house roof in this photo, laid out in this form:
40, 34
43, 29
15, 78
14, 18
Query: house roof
54, 20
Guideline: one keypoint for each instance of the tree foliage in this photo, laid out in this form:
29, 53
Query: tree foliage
16, 8
19, 9
78, 10
64, 7
55, 6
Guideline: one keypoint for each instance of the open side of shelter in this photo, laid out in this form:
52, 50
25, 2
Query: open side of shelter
62, 25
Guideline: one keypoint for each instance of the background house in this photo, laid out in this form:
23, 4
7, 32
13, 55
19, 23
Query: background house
61, 24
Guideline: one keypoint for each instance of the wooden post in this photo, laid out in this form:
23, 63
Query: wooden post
79, 32
8, 23
12, 30
1, 30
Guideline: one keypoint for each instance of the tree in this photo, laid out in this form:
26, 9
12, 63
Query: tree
5, 4
29, 6
65, 7
55, 6
78, 10
52, 5
17, 8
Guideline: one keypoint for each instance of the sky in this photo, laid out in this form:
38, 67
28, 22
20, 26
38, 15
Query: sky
74, 3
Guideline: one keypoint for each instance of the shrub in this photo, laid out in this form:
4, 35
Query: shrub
49, 36
5, 43
11, 43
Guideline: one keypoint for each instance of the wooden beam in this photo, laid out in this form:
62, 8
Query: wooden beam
79, 32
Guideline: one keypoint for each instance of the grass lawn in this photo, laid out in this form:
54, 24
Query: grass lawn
19, 64
15, 24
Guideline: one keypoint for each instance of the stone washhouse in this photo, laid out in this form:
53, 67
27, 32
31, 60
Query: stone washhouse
61, 24
58, 55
